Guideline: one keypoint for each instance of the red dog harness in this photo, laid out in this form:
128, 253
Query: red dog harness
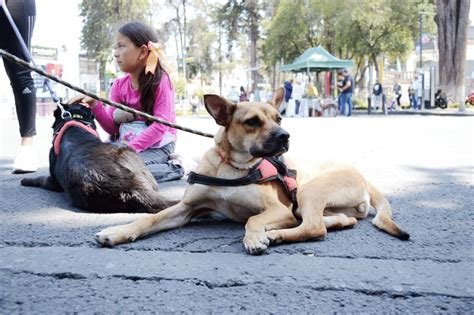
269, 169
71, 123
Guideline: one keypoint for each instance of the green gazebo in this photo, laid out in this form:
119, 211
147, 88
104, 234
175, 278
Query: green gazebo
316, 59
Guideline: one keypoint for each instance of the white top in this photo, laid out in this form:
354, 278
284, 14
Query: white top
298, 91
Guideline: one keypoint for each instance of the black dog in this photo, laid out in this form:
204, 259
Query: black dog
97, 176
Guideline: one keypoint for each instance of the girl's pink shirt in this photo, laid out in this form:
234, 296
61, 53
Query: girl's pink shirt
123, 92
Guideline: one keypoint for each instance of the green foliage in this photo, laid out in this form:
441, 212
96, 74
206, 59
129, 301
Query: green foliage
286, 33
200, 48
350, 29
179, 84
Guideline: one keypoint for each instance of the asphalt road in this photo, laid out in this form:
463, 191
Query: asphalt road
49, 262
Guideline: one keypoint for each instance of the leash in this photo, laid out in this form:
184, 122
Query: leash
25, 64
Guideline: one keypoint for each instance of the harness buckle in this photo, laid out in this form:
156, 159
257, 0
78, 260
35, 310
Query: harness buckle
66, 115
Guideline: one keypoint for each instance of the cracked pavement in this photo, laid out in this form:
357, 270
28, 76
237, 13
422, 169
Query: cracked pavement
49, 262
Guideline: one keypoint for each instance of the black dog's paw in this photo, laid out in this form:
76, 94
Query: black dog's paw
28, 182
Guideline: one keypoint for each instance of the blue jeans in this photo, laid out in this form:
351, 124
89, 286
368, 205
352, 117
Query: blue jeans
345, 98
414, 101
157, 162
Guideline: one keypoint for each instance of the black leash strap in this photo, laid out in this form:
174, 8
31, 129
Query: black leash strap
252, 178
101, 99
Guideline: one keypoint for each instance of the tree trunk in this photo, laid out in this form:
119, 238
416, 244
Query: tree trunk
185, 44
219, 56
452, 18
254, 34
376, 65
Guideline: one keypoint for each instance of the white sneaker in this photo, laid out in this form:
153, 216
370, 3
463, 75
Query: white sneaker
187, 164
26, 160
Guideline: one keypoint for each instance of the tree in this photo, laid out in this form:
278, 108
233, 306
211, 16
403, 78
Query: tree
452, 18
349, 29
180, 20
200, 49
100, 21
243, 16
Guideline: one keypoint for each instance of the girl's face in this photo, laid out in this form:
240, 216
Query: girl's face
129, 57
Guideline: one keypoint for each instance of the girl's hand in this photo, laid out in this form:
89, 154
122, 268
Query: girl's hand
83, 100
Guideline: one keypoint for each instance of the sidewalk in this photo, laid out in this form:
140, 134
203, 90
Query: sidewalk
424, 112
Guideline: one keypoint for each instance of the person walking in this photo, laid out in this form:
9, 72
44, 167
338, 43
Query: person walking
377, 93
413, 93
346, 89
288, 86
397, 91
297, 95
23, 13
243, 97
146, 87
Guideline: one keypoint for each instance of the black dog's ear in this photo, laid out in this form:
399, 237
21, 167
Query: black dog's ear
219, 108
57, 113
278, 97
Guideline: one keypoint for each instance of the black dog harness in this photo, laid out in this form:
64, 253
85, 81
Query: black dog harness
79, 118
269, 169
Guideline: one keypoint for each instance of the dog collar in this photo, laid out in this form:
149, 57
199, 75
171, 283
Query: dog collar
229, 162
268, 169
71, 123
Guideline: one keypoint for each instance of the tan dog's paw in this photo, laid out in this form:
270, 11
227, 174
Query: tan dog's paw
115, 235
274, 236
256, 243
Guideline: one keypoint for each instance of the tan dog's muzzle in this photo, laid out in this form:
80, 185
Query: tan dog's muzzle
277, 143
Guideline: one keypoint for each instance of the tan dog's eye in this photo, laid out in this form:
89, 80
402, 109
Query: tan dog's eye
278, 120
253, 122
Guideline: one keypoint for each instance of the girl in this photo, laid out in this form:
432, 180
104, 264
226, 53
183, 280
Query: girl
146, 87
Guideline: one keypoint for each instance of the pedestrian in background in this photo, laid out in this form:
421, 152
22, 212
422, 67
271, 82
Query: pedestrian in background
297, 95
288, 85
243, 97
397, 91
23, 13
377, 94
346, 89
412, 91
233, 94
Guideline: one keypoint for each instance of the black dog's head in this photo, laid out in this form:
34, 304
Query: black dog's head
76, 112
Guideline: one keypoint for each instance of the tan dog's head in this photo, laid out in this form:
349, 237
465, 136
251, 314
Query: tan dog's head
250, 127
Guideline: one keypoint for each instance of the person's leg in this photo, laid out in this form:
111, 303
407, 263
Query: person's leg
160, 166
349, 103
415, 105
23, 14
340, 105
297, 108
343, 110
282, 109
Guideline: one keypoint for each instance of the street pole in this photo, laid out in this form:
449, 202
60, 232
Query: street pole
422, 105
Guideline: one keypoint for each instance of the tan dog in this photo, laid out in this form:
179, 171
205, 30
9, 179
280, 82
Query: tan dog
249, 132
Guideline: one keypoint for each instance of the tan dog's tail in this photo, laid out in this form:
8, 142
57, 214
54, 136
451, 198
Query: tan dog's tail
383, 218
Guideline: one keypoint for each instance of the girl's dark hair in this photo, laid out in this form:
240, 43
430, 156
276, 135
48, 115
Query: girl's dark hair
140, 34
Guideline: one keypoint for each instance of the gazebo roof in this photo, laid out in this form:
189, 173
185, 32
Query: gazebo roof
316, 59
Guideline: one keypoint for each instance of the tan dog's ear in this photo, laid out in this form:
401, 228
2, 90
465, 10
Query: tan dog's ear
278, 97
219, 108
